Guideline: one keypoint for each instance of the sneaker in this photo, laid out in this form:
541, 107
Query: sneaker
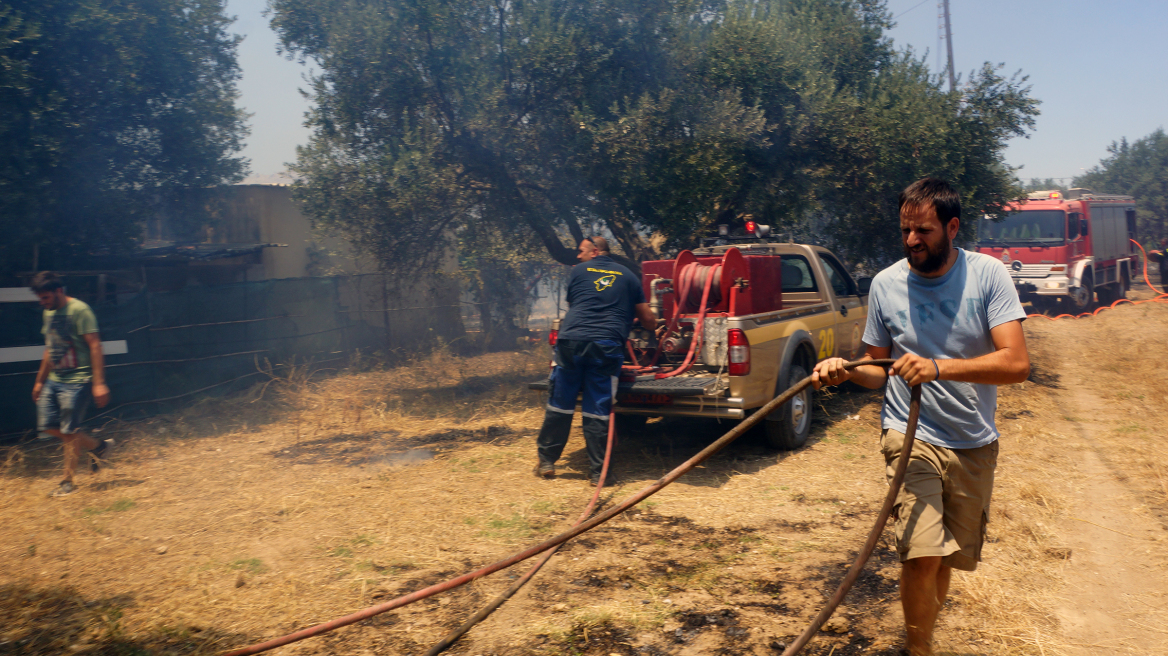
66, 487
102, 451
544, 470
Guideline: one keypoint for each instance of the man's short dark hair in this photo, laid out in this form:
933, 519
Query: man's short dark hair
45, 281
599, 242
938, 193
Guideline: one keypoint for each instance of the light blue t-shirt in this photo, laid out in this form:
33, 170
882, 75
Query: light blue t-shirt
943, 318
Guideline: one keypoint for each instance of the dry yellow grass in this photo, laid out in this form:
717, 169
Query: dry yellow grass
243, 518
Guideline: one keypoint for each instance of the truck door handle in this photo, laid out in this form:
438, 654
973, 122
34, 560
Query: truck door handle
844, 310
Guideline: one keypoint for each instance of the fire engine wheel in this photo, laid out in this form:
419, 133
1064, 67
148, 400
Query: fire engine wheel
1082, 295
788, 427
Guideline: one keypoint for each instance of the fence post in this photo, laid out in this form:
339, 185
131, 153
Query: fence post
385, 308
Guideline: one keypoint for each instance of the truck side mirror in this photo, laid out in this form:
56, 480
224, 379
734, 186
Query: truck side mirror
1083, 227
865, 285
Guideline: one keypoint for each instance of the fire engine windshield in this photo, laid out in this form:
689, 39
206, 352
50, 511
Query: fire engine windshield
1029, 227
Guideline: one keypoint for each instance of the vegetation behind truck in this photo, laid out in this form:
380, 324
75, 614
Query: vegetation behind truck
772, 310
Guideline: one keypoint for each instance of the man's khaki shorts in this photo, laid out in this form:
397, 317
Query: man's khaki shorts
943, 507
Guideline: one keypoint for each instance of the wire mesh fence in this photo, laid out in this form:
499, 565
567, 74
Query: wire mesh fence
209, 338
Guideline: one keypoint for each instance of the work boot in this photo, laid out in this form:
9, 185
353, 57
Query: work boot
609, 481
545, 470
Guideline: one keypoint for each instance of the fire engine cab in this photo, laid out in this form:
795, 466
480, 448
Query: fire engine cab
1065, 249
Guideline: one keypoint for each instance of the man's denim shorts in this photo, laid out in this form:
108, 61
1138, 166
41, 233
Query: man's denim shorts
63, 406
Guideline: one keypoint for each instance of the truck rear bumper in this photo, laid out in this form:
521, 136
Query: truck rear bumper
683, 396
710, 410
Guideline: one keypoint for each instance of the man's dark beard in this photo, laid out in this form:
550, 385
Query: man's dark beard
934, 259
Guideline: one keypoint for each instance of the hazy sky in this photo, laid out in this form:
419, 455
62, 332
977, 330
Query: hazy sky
1099, 69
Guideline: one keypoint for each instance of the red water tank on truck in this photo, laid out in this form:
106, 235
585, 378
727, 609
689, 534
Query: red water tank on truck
1065, 249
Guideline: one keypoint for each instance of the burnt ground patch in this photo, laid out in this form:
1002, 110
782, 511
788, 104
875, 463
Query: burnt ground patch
36, 621
603, 639
354, 450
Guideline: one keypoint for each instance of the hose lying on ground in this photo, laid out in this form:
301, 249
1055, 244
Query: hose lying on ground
583, 527
445, 643
1161, 298
914, 413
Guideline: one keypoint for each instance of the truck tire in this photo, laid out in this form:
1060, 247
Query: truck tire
788, 427
1082, 296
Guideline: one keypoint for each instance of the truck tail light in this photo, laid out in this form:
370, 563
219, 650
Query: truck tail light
553, 335
739, 352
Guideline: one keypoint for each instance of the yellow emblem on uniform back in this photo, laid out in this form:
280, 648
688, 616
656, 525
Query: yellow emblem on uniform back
604, 283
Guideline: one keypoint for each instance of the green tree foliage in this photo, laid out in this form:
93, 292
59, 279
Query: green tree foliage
651, 119
109, 109
1138, 169
1043, 184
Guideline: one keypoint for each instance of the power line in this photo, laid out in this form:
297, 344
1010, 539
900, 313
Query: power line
909, 9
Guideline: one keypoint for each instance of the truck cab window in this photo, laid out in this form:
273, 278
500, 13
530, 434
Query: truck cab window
841, 283
796, 273
1073, 225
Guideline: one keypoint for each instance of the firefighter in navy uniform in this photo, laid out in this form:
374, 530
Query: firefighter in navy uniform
603, 299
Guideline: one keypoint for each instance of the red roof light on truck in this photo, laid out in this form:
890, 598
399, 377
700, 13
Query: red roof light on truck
739, 352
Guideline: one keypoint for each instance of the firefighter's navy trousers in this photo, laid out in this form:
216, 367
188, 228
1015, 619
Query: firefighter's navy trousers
589, 369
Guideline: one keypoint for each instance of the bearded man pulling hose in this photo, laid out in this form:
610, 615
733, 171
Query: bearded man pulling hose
953, 322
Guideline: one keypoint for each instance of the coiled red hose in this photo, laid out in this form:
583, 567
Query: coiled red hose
682, 296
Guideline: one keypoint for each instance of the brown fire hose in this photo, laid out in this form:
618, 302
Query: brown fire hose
914, 413
621, 507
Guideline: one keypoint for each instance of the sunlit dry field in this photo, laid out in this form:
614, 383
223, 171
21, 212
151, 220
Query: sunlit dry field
317, 494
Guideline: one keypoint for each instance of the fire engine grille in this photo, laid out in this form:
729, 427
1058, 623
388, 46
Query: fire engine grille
680, 386
1029, 270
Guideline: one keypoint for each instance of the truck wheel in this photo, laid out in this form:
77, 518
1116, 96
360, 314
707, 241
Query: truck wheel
1082, 295
629, 424
787, 428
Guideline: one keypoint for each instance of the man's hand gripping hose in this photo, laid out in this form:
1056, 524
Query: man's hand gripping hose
621, 507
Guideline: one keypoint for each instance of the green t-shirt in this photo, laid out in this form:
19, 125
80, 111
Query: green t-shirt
68, 352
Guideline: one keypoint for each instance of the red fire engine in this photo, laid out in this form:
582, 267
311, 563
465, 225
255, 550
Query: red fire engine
1065, 249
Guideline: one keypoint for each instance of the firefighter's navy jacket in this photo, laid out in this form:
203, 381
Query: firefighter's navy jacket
602, 296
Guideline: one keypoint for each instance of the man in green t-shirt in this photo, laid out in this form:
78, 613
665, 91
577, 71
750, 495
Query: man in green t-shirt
72, 373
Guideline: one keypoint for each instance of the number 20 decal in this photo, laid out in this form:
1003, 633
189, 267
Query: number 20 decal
826, 343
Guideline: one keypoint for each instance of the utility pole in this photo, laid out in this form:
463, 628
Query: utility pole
949, 45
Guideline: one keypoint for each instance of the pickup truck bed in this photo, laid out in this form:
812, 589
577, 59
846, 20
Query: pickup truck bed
822, 314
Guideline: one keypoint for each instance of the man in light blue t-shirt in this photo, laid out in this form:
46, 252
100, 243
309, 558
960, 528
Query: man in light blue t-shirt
953, 322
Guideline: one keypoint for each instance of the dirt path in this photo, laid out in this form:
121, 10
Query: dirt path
1114, 598
1115, 593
